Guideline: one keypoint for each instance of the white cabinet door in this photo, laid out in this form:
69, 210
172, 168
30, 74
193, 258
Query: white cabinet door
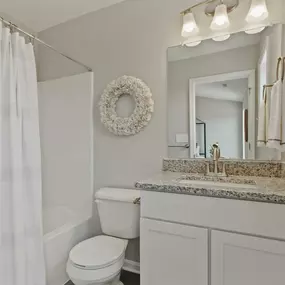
173, 254
246, 260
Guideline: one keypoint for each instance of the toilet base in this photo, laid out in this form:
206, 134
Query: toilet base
113, 281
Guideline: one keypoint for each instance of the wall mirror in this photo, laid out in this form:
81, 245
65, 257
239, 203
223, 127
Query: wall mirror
214, 92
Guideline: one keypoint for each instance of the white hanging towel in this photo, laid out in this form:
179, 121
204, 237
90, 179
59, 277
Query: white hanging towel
263, 115
283, 119
275, 118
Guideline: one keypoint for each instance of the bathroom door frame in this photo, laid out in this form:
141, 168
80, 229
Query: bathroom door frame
252, 100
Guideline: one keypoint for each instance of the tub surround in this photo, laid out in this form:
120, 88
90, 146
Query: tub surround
266, 176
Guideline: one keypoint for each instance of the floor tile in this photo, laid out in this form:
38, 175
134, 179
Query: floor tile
128, 278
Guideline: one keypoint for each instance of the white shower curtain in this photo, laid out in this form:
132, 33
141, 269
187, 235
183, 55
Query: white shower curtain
21, 248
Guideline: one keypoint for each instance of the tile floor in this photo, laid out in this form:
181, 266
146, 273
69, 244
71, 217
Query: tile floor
127, 278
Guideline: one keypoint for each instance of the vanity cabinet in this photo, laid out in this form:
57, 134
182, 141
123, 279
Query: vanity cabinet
209, 241
173, 254
238, 259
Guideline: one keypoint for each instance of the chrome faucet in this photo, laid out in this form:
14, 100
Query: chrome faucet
216, 153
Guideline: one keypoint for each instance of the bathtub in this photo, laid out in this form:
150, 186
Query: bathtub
62, 231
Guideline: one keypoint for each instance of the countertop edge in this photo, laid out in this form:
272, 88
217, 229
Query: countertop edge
214, 193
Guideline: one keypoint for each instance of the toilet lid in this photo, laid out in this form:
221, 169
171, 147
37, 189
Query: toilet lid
97, 252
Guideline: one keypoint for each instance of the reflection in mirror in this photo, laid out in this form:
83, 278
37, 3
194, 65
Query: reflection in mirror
214, 94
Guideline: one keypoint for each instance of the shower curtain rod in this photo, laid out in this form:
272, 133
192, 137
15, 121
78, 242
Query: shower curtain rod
13, 26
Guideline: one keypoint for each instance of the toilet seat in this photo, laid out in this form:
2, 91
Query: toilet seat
97, 260
83, 276
97, 253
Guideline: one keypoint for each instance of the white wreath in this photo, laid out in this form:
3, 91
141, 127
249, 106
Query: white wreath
126, 85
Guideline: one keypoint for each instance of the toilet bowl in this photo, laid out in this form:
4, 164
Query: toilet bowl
99, 260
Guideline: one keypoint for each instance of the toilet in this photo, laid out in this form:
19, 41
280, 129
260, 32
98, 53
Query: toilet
99, 260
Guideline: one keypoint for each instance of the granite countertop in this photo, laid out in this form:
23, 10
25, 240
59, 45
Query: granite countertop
267, 189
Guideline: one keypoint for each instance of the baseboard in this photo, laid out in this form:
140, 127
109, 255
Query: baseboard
131, 266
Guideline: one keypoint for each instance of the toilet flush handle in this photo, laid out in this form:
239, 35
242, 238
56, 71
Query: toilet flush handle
137, 201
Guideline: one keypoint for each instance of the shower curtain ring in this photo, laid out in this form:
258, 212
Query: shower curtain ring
11, 27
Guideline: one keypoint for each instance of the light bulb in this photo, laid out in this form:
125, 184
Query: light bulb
193, 44
221, 18
258, 11
221, 38
254, 31
189, 25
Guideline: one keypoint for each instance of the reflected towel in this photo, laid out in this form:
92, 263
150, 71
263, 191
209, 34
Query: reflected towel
263, 115
283, 119
274, 125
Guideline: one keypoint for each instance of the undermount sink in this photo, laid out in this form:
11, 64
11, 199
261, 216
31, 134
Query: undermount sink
227, 182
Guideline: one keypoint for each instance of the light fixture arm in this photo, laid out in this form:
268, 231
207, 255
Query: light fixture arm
197, 5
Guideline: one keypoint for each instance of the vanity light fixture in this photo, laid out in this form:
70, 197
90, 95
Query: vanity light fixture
190, 27
221, 19
258, 11
219, 10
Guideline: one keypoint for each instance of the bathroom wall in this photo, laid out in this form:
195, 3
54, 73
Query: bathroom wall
224, 124
179, 73
129, 38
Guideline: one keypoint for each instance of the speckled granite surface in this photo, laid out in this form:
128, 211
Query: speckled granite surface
269, 190
233, 167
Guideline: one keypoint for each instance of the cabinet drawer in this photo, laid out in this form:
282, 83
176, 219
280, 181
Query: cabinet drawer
253, 218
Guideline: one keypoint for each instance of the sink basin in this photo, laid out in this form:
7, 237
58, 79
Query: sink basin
223, 182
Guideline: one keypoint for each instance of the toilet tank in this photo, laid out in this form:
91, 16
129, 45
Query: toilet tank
119, 216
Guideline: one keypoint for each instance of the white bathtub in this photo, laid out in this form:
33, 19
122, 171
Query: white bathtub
62, 231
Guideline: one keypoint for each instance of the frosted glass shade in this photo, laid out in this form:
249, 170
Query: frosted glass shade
221, 38
221, 19
193, 44
258, 11
189, 25
254, 31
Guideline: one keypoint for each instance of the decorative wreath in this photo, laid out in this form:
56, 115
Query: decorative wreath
126, 85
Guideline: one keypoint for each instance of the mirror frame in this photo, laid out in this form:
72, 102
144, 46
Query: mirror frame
251, 76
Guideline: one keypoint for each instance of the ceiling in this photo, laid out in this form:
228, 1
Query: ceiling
39, 15
235, 90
